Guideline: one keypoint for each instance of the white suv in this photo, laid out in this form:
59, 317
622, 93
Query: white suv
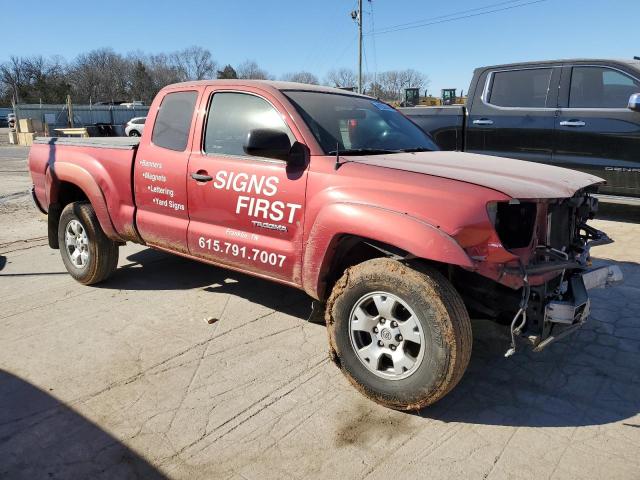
135, 127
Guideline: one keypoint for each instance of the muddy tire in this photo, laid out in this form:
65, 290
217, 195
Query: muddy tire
402, 336
88, 255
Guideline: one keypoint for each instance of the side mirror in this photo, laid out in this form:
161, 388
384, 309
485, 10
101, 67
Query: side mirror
298, 155
634, 102
268, 143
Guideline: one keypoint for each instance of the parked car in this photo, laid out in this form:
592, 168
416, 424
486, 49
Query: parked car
580, 114
135, 127
135, 103
341, 196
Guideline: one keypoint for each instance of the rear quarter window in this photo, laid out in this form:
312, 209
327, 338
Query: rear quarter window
173, 122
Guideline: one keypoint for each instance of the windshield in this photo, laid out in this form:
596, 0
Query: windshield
358, 125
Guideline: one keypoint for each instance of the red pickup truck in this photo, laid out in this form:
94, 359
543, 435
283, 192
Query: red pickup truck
339, 195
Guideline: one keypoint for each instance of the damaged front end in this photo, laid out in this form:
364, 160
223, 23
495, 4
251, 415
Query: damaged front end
539, 257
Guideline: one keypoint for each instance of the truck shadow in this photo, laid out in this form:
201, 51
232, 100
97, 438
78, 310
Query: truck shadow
590, 378
154, 270
618, 212
41, 438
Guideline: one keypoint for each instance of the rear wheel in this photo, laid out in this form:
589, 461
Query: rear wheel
134, 133
402, 336
88, 254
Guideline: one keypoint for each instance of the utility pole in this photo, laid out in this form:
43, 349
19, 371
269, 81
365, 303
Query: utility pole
359, 46
70, 110
357, 17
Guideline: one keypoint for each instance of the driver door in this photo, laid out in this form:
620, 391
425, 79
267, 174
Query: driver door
246, 212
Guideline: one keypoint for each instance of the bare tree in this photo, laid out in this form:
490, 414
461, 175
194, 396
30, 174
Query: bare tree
375, 89
100, 75
162, 70
33, 79
391, 84
342, 78
301, 77
195, 63
249, 69
14, 76
103, 75
48, 79
413, 79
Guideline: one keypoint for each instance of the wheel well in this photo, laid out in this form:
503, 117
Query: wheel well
352, 250
67, 193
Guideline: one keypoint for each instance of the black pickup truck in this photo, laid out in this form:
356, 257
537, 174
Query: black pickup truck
580, 114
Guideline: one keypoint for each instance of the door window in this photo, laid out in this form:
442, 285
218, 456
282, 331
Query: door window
232, 116
600, 87
173, 122
520, 88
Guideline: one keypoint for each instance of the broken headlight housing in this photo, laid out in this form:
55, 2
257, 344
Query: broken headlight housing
514, 222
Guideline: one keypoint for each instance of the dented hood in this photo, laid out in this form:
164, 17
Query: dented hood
516, 178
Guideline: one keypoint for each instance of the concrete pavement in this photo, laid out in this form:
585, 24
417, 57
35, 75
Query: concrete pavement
130, 380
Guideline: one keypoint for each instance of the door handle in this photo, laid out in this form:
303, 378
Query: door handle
483, 121
572, 123
201, 177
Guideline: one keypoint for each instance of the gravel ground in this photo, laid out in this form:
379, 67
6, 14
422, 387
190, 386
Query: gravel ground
129, 380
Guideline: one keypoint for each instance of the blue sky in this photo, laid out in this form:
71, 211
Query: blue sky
289, 35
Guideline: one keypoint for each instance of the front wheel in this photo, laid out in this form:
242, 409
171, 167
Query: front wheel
88, 254
134, 133
401, 335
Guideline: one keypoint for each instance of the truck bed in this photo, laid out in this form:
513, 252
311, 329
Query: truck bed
444, 124
124, 143
101, 168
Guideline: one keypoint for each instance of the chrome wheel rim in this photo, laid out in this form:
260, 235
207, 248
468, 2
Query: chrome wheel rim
76, 243
386, 335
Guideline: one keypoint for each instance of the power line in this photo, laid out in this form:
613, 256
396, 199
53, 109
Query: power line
460, 12
445, 18
348, 46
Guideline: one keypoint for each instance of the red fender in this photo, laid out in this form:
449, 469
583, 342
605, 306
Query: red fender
400, 230
78, 176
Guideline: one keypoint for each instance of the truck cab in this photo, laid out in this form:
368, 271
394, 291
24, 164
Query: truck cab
578, 114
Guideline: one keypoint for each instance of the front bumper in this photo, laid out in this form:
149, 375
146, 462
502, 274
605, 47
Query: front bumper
563, 316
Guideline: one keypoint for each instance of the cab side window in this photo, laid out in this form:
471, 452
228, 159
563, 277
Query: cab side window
600, 87
232, 116
520, 88
173, 122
